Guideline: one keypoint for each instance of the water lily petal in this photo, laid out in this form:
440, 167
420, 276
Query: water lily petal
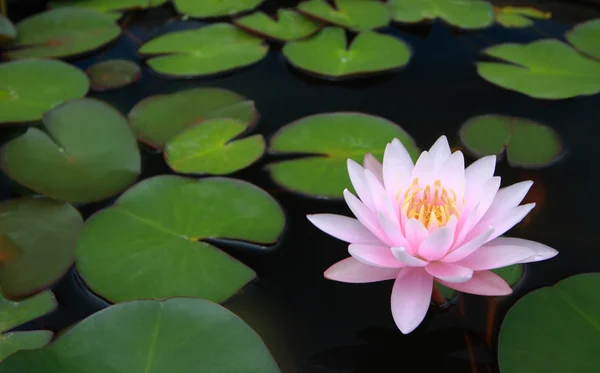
492, 257
449, 272
509, 197
392, 230
415, 233
440, 152
402, 255
411, 296
488, 192
469, 247
344, 228
357, 177
542, 252
482, 283
503, 222
479, 172
436, 245
423, 169
372, 164
378, 256
452, 174
380, 197
397, 168
352, 271
367, 217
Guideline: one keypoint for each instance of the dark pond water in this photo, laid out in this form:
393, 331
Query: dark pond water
312, 325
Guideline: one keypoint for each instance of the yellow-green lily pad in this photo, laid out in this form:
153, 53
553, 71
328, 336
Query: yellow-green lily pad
64, 32
586, 38
209, 50
152, 242
101, 5
518, 17
87, 154
7, 30
356, 15
465, 14
210, 148
113, 74
157, 119
29, 88
528, 144
330, 139
214, 8
288, 25
326, 54
546, 69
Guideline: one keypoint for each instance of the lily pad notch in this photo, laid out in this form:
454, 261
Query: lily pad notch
285, 25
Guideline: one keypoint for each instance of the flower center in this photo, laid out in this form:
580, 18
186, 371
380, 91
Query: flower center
433, 204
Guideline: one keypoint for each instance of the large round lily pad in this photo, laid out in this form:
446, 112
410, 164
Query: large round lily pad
214, 8
528, 144
516, 17
554, 329
209, 50
7, 29
547, 69
88, 154
113, 74
13, 314
326, 54
151, 243
157, 119
466, 14
586, 37
43, 232
211, 148
356, 15
180, 335
287, 25
332, 138
29, 88
62, 33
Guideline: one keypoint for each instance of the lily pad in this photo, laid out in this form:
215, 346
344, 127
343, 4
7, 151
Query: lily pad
513, 17
88, 154
326, 54
288, 25
209, 50
30, 88
330, 139
157, 119
528, 144
214, 8
44, 232
356, 15
151, 242
64, 32
172, 336
553, 329
7, 29
465, 14
13, 314
547, 69
586, 38
101, 5
210, 148
113, 74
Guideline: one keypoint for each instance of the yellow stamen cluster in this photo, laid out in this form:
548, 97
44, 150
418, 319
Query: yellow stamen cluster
430, 205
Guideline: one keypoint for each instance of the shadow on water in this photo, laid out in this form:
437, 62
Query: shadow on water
317, 326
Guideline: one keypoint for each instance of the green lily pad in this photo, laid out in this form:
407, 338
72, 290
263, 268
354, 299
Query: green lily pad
331, 139
101, 5
288, 25
465, 14
30, 88
113, 74
356, 15
326, 54
44, 232
13, 314
586, 37
88, 154
553, 329
209, 50
151, 242
528, 144
210, 148
516, 17
7, 29
446, 292
547, 69
157, 119
64, 32
214, 8
173, 336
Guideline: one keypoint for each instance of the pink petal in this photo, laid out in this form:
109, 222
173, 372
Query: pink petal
380, 197
469, 247
449, 272
479, 172
440, 152
372, 164
465, 224
486, 195
392, 230
415, 233
542, 252
509, 197
344, 228
357, 177
503, 222
402, 255
411, 296
423, 169
352, 271
492, 257
482, 283
436, 245
397, 167
378, 256
452, 173
365, 216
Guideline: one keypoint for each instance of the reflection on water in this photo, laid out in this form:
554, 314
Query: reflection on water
316, 326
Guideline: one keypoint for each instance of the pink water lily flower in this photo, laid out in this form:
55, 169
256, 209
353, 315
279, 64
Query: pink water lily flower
429, 221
